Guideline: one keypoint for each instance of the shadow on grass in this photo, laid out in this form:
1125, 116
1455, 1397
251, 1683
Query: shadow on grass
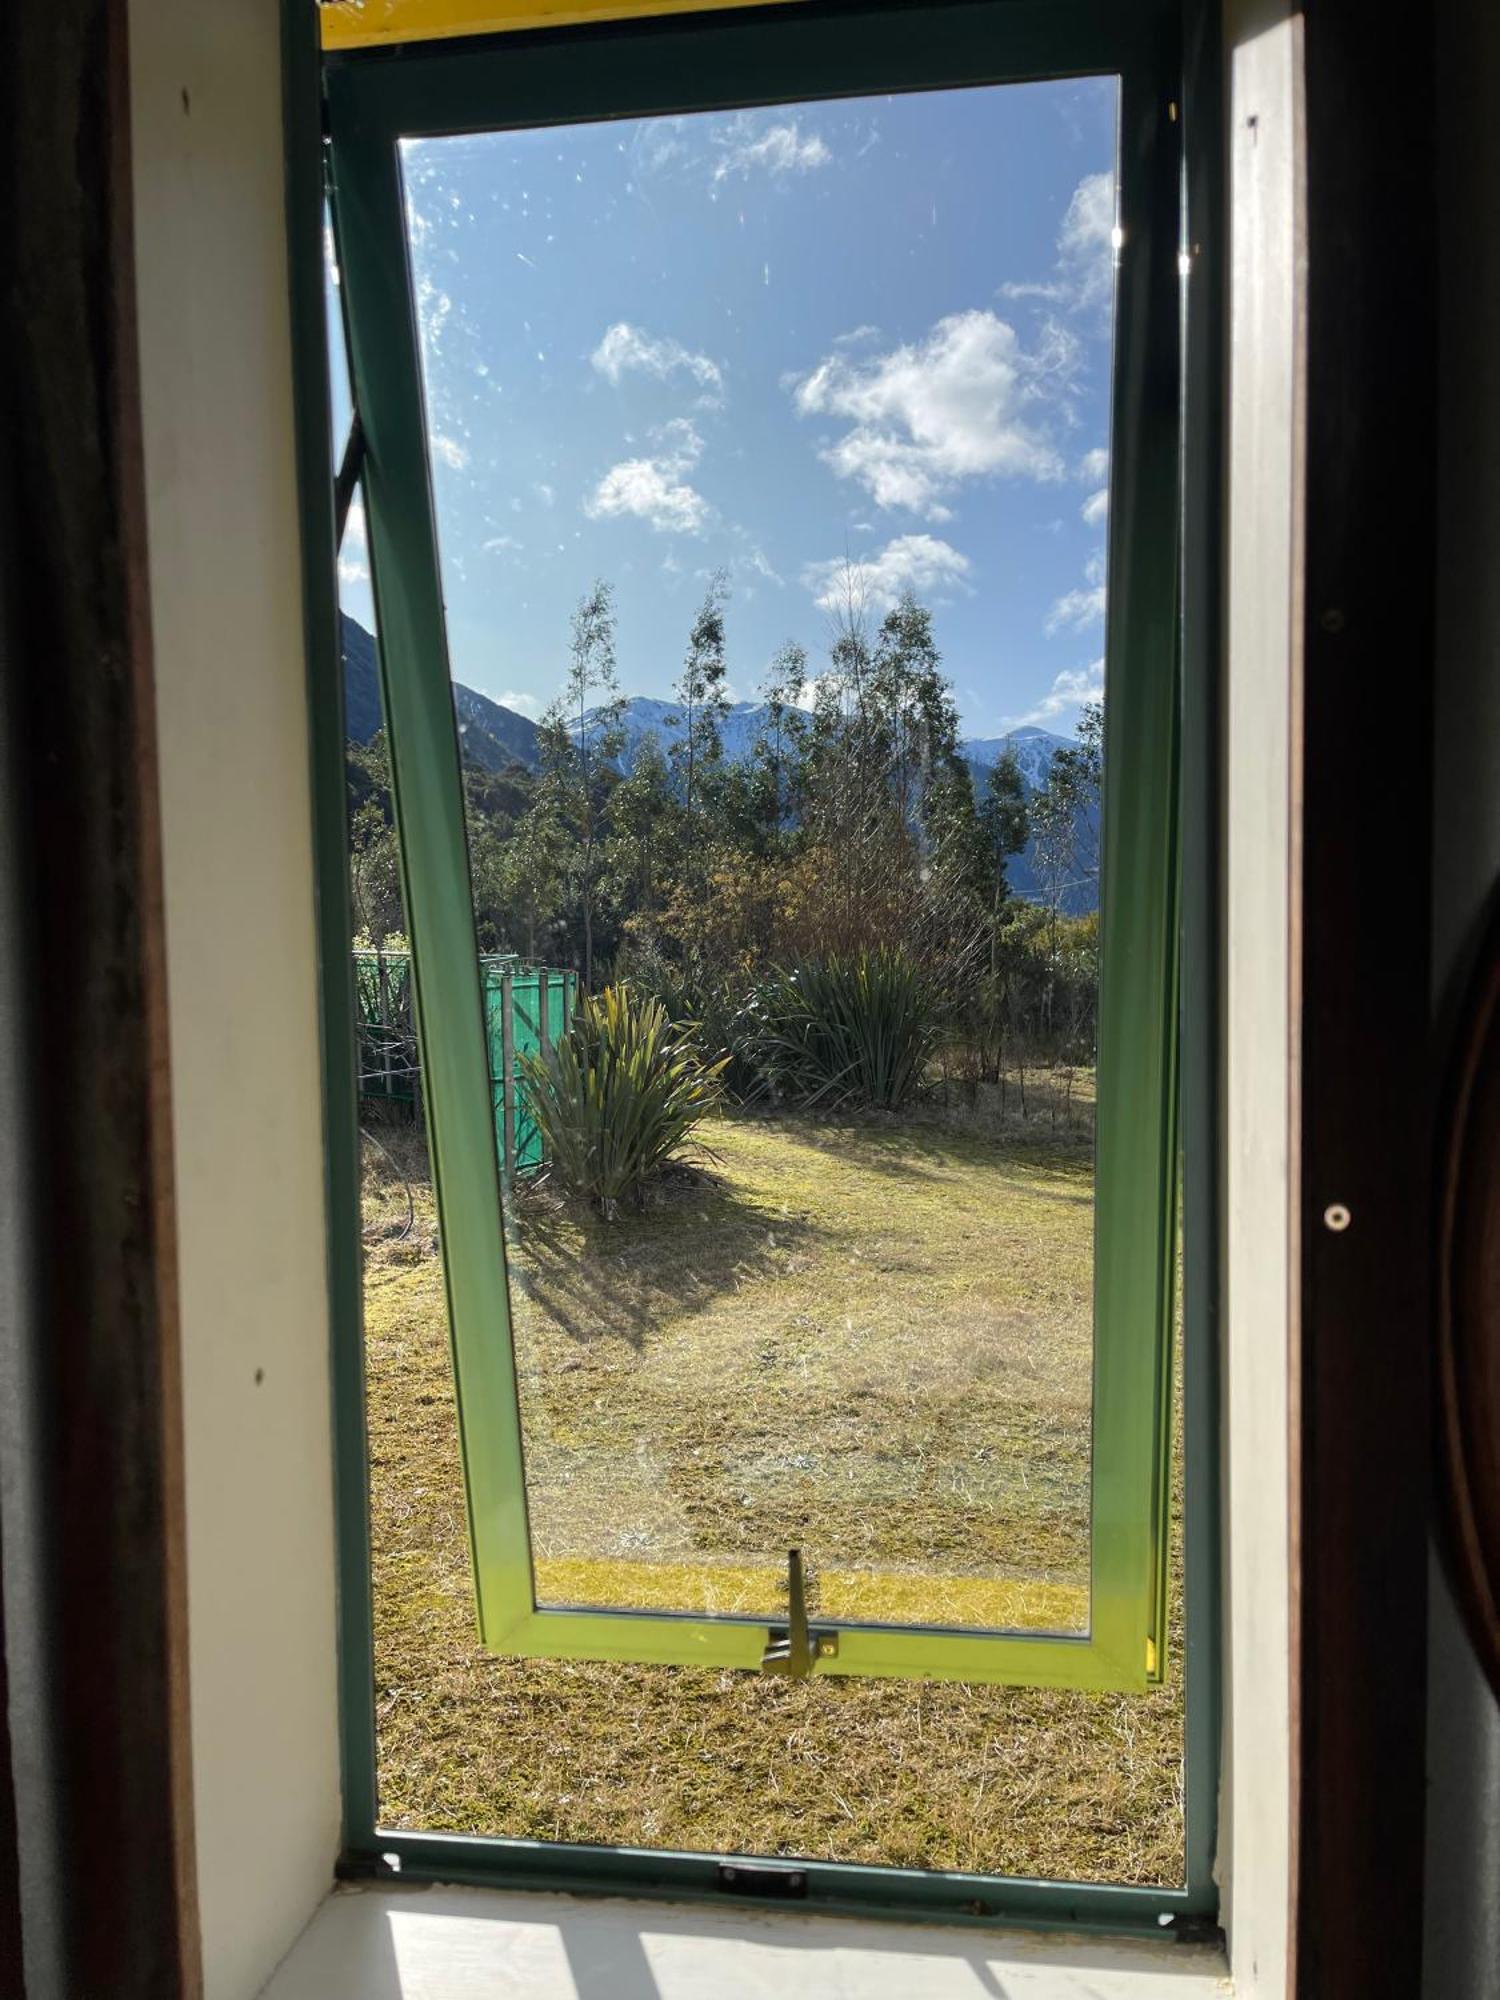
697, 1239
916, 1148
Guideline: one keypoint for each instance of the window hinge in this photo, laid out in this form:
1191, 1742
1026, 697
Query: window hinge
795, 1648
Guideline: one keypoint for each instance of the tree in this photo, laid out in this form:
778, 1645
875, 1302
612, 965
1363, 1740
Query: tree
374, 860
531, 875
641, 811
1064, 813
581, 735
913, 721
1003, 822
778, 748
1077, 772
701, 698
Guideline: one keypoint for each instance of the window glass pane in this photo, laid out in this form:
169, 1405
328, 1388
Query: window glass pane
770, 461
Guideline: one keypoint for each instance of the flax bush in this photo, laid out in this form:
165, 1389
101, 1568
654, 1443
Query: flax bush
619, 1096
856, 1029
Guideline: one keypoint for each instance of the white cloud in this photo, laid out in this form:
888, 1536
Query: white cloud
500, 544
353, 550
958, 405
1071, 689
1050, 289
1093, 467
1086, 245
544, 493
1086, 242
450, 451
779, 149
1096, 507
921, 563
656, 489
626, 348
523, 704
1076, 610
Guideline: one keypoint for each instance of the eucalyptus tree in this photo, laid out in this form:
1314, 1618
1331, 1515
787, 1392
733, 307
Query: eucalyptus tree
701, 696
580, 739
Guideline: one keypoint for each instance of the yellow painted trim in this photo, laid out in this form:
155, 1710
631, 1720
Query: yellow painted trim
366, 24
841, 1596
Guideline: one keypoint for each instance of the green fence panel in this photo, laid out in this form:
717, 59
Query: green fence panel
387, 1039
541, 1006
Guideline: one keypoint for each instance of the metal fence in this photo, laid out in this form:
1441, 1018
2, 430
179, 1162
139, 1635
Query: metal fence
526, 1009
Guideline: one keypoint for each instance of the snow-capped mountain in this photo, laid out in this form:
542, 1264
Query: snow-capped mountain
1034, 750
496, 737
645, 717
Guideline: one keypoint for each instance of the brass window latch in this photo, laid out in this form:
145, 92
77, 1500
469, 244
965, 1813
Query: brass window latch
796, 1648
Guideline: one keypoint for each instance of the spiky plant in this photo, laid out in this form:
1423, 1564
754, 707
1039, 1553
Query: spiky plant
619, 1096
834, 1031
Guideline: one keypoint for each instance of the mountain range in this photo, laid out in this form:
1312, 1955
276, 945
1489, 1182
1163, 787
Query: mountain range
491, 736
495, 737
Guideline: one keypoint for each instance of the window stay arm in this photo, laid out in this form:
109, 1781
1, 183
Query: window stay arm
350, 467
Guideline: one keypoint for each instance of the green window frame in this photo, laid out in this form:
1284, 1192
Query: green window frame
964, 1898
374, 102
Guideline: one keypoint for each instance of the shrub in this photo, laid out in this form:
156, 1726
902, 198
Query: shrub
717, 1014
840, 1030
618, 1096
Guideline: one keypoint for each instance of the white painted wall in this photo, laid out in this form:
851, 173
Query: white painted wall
227, 618
1263, 860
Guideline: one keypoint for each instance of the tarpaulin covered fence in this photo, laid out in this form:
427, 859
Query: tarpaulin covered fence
526, 1009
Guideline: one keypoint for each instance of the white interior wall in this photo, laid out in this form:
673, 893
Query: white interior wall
227, 616
1266, 345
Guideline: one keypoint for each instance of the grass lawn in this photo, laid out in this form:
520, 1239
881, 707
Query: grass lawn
871, 1341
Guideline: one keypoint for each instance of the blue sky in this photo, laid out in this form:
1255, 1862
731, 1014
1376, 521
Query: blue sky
874, 330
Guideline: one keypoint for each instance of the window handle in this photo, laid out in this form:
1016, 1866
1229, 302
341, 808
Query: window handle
795, 1648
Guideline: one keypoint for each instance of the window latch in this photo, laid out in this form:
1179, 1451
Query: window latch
795, 1648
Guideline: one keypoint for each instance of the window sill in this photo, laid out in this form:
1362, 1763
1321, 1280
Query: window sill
461, 1944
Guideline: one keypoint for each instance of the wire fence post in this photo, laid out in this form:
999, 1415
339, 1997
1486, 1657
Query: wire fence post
387, 1018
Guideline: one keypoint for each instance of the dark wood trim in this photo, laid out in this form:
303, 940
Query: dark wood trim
1467, 1431
109, 1827
1365, 1002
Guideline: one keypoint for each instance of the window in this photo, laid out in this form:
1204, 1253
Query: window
906, 1609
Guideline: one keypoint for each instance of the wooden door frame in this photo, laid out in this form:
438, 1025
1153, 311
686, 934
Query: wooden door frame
1362, 1498
102, 1887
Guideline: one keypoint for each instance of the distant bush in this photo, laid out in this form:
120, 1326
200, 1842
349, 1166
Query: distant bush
718, 1013
856, 1029
619, 1095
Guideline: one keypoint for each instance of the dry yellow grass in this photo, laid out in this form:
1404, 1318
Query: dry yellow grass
833, 1341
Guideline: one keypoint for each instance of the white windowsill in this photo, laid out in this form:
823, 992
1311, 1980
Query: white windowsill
488, 1944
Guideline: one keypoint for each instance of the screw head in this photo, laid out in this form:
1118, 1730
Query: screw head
1336, 1217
